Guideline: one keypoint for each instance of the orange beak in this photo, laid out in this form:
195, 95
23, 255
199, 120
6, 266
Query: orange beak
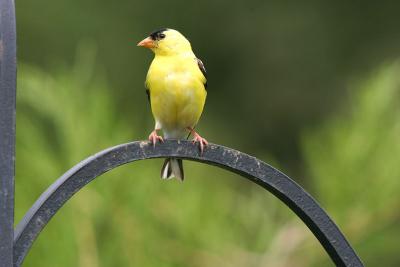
147, 42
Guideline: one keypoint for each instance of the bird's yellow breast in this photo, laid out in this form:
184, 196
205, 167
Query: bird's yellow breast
177, 92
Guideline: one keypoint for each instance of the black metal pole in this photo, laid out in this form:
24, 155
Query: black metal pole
7, 129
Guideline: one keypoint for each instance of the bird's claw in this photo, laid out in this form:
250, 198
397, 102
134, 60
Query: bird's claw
202, 142
154, 137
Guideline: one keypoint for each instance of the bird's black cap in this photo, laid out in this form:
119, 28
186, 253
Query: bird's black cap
157, 35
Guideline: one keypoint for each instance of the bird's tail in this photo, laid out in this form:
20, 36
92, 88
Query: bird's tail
172, 168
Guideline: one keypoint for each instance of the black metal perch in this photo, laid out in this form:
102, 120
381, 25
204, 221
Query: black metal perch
249, 167
14, 245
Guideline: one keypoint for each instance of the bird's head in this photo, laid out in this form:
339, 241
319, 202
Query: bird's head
166, 42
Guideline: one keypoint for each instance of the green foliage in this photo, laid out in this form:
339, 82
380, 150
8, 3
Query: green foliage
353, 161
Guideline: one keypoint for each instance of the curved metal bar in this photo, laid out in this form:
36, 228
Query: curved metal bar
253, 169
8, 66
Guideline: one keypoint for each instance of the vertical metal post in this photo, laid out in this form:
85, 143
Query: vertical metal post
7, 129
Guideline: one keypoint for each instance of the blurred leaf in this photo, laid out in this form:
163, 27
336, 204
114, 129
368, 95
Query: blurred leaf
353, 161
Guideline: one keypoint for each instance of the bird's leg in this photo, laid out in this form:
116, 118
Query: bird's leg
154, 137
197, 138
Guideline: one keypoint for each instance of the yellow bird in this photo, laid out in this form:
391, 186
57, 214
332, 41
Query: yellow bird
176, 87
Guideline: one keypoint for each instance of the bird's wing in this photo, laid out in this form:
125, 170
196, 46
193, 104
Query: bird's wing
203, 70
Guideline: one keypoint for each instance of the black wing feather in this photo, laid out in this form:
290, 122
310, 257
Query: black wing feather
203, 70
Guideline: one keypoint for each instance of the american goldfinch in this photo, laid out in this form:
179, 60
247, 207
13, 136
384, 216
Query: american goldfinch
176, 88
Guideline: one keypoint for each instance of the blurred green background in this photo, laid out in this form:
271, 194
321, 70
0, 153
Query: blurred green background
312, 88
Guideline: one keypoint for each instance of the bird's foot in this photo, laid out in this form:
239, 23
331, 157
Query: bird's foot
154, 137
197, 138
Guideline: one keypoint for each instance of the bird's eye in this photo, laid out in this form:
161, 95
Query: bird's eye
162, 36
